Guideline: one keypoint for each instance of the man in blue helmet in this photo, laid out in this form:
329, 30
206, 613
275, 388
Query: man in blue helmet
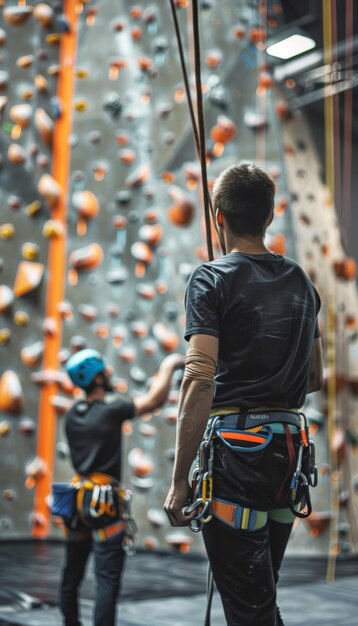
93, 431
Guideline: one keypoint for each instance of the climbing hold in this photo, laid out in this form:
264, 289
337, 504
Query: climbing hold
127, 354
6, 298
7, 231
179, 541
86, 258
25, 61
28, 277
140, 463
27, 426
151, 234
5, 428
2, 37
143, 255
44, 14
88, 312
30, 251
87, 206
53, 228
49, 189
139, 177
127, 156
168, 340
5, 336
157, 517
224, 130
4, 80
44, 125
213, 58
21, 318
41, 83
11, 393
145, 291
31, 355
17, 15
181, 212
21, 114
16, 154
277, 244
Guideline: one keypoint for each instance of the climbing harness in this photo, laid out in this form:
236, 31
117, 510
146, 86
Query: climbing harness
100, 504
249, 431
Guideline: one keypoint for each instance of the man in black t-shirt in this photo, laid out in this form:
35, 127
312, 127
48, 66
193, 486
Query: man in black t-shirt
93, 430
254, 353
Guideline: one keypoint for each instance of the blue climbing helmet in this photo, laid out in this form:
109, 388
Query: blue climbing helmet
84, 365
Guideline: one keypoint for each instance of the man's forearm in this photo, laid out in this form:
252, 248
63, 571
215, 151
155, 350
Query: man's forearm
194, 409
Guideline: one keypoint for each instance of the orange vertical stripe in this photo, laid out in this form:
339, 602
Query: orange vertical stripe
56, 267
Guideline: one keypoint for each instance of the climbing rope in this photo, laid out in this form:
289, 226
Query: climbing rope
198, 133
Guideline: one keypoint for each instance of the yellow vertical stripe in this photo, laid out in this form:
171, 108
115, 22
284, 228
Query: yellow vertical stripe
245, 518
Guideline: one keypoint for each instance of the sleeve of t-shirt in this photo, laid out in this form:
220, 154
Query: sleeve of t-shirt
122, 410
202, 303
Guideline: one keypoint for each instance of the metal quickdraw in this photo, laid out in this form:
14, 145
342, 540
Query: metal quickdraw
202, 482
302, 480
129, 542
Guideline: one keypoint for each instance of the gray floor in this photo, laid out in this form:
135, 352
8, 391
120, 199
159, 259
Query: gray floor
316, 604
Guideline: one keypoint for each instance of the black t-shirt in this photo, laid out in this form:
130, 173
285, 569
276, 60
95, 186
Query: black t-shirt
263, 309
93, 431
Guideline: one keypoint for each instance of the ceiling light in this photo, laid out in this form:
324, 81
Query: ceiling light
291, 46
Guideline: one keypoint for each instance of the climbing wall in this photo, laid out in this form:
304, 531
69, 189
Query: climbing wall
134, 232
29, 41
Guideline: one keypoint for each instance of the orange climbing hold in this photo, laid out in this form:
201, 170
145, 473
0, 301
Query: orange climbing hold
87, 258
28, 277
224, 130
168, 339
181, 212
278, 244
49, 189
11, 393
21, 114
44, 125
143, 255
139, 177
151, 234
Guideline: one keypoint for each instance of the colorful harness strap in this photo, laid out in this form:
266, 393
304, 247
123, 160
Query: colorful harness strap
237, 516
109, 532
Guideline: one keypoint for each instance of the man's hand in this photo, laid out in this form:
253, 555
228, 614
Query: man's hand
172, 362
176, 501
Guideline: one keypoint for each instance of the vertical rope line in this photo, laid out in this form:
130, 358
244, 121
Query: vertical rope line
336, 130
347, 137
191, 108
328, 101
331, 316
201, 123
333, 460
261, 99
185, 77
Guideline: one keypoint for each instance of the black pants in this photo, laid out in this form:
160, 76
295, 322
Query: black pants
245, 566
109, 560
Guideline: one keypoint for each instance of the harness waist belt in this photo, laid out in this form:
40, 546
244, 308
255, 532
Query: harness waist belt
251, 420
237, 516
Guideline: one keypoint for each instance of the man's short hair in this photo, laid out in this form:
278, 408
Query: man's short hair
245, 195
